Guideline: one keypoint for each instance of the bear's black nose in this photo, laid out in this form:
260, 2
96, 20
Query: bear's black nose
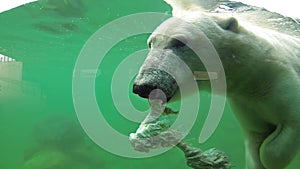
156, 84
151, 92
143, 90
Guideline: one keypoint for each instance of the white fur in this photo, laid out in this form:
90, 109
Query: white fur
179, 5
263, 74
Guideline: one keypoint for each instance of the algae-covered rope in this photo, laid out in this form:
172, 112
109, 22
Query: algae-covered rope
210, 159
155, 132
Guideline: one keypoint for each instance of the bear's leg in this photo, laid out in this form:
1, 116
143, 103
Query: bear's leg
280, 147
252, 145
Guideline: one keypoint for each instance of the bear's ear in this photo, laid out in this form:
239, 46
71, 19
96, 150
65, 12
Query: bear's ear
230, 24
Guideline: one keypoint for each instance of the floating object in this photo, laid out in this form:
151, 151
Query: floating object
209, 159
154, 132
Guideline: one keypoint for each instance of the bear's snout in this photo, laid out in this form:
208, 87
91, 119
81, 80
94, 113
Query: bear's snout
150, 80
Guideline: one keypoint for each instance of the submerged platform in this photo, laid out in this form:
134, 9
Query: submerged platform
11, 83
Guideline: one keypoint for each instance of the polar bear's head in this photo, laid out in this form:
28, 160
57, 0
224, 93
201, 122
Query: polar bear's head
177, 42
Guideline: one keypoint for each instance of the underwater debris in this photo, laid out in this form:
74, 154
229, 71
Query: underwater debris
209, 159
60, 143
65, 7
60, 132
154, 132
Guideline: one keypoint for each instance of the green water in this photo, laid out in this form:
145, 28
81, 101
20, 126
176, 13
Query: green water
40, 129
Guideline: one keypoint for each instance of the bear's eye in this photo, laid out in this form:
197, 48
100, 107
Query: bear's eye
177, 44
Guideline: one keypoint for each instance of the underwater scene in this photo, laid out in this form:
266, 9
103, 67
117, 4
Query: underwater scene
69, 94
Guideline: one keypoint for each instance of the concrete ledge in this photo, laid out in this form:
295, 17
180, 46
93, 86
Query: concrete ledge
11, 83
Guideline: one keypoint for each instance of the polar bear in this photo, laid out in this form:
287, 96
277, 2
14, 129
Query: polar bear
262, 68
